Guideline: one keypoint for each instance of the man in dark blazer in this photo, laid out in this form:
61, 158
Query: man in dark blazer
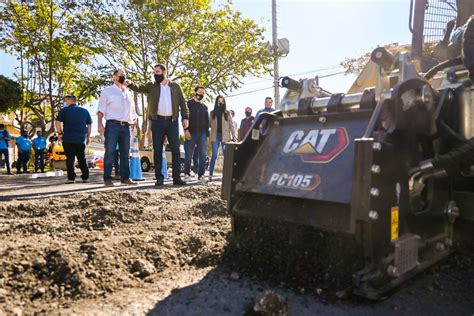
165, 101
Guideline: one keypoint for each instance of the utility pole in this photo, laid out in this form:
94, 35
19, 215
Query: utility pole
276, 74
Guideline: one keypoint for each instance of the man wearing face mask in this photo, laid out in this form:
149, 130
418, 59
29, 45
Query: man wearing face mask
165, 102
246, 123
197, 133
39, 145
117, 106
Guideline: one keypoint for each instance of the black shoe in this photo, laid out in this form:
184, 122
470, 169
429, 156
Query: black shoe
9, 173
159, 183
178, 182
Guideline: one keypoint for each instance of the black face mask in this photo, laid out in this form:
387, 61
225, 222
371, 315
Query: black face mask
159, 78
247, 114
199, 96
121, 79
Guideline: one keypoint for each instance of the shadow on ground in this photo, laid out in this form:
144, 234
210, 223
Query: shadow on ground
445, 289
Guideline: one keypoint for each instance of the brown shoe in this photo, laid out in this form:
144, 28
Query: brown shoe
108, 183
129, 182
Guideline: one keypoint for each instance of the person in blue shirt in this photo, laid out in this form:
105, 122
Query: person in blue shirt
74, 132
39, 146
268, 107
24, 148
4, 139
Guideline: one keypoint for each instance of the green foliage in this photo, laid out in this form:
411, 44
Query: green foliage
10, 94
355, 65
56, 55
71, 46
198, 44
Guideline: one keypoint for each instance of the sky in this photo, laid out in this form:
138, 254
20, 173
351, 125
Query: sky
322, 33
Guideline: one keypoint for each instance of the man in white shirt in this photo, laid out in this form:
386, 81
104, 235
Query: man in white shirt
116, 105
165, 102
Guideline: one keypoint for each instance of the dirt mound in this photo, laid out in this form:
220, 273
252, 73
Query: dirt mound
88, 245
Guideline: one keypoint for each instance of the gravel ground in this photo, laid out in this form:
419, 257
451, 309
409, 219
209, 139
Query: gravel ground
170, 252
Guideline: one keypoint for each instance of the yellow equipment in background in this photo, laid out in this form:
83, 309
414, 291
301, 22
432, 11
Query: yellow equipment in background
58, 157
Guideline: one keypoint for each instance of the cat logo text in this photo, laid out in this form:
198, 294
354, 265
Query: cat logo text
317, 145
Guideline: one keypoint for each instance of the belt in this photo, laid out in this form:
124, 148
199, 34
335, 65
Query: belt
118, 122
165, 117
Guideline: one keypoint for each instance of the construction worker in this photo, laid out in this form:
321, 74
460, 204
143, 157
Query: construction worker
4, 139
24, 148
39, 146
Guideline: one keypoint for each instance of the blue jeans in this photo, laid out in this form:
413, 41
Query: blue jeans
159, 129
4, 152
200, 140
23, 158
215, 151
117, 162
195, 157
39, 160
117, 134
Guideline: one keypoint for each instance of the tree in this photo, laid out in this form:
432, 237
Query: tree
55, 54
198, 44
355, 65
10, 94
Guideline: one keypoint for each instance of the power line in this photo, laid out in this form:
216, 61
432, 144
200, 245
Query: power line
267, 88
248, 92
333, 74
316, 70
295, 74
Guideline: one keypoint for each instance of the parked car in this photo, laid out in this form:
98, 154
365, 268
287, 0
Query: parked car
146, 159
91, 161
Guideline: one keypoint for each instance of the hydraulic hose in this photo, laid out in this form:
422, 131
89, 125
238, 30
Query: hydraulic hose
457, 159
445, 64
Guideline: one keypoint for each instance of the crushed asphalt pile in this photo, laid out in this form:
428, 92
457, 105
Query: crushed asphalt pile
58, 251
89, 245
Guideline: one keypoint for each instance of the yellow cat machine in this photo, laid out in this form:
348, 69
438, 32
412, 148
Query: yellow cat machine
378, 182
58, 157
